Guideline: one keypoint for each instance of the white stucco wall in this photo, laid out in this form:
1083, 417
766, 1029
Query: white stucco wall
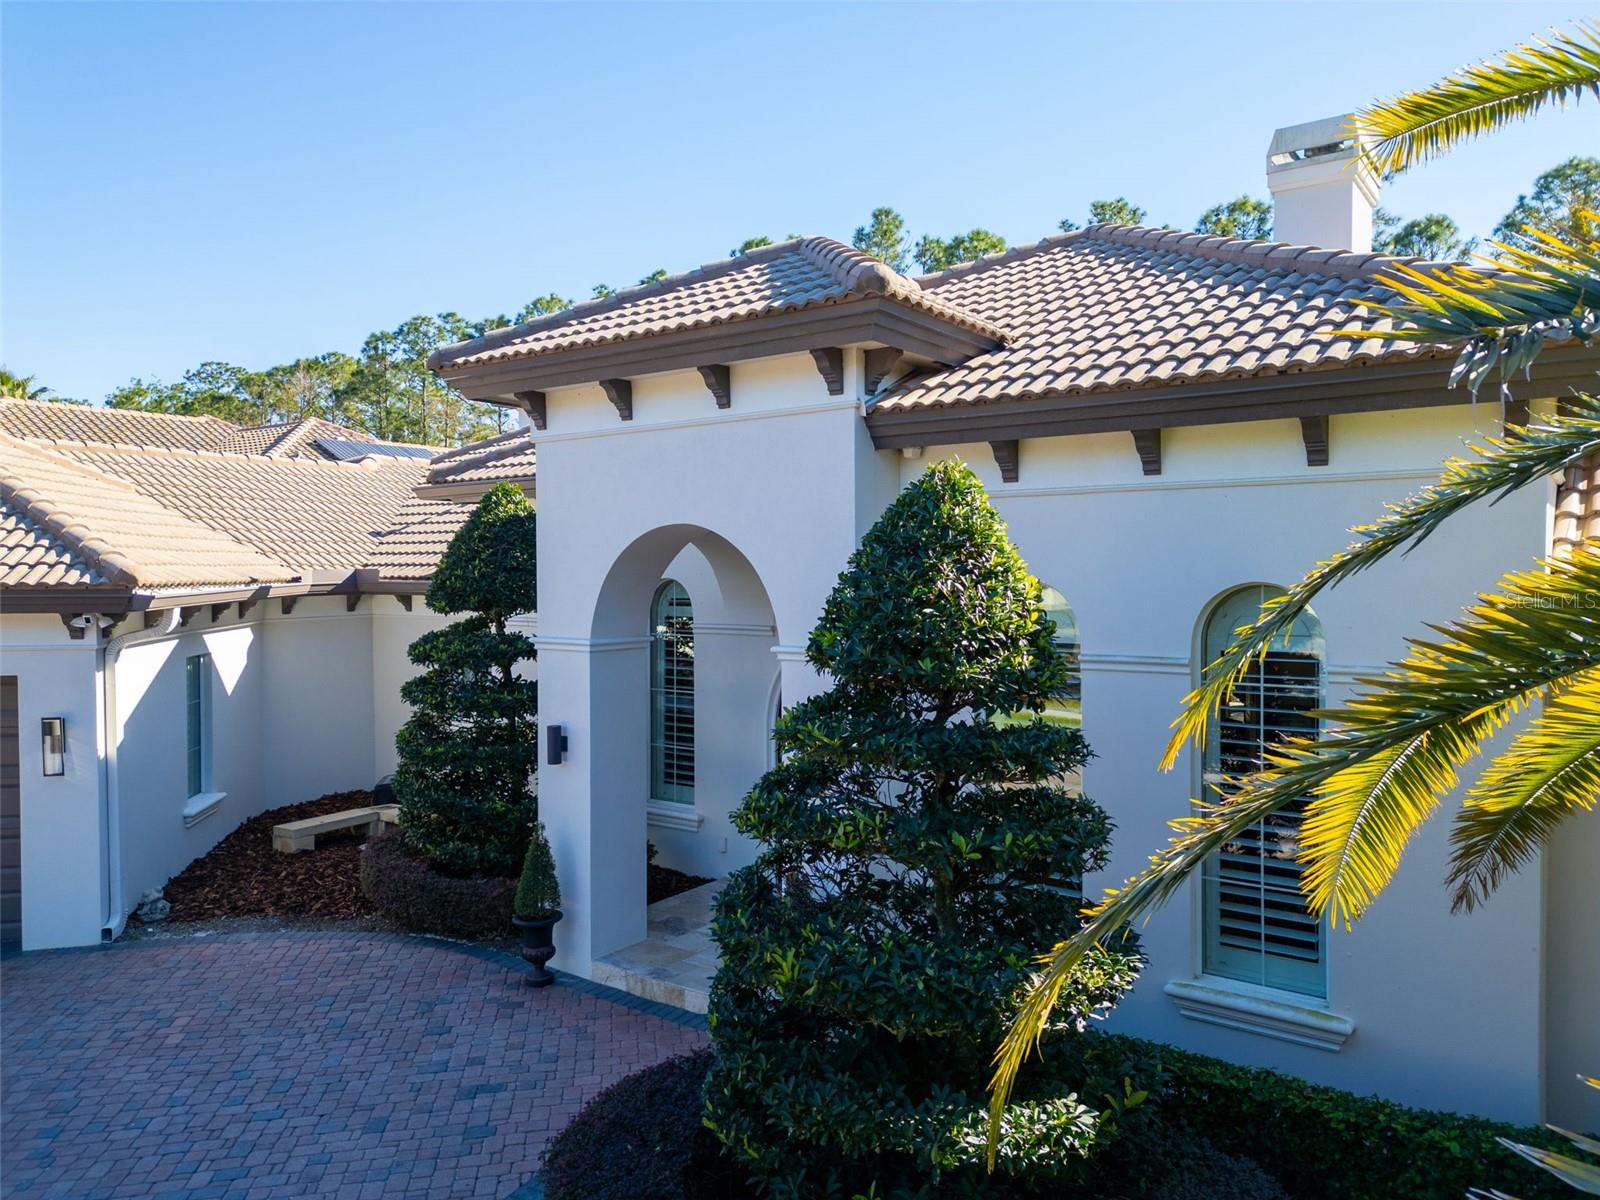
63, 871
788, 477
1140, 559
151, 737
303, 704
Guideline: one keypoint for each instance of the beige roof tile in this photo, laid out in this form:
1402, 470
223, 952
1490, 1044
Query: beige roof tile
508, 456
110, 528
1577, 509
30, 556
785, 277
55, 421
311, 514
411, 547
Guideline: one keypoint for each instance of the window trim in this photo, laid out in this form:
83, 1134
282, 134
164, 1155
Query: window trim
657, 683
1201, 972
199, 730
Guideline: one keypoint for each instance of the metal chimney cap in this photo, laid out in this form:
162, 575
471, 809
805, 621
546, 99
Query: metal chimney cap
1329, 138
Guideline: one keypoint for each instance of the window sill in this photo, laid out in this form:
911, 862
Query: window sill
1280, 1015
673, 816
200, 806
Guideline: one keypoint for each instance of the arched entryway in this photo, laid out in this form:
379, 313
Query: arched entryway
666, 703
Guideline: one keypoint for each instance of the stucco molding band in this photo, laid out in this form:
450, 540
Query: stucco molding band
552, 643
1217, 1004
728, 417
790, 654
684, 817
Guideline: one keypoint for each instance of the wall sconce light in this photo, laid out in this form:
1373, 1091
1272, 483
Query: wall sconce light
555, 744
53, 744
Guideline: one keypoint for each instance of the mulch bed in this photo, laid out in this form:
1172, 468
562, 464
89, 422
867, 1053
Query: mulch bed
243, 876
664, 882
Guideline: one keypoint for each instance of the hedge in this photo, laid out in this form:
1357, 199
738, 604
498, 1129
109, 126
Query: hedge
1322, 1143
406, 891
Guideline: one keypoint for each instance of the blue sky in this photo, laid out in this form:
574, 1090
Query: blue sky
256, 182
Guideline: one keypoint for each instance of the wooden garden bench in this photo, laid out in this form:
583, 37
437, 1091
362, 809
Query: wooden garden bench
293, 836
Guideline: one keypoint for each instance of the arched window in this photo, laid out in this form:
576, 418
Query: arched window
1257, 927
672, 695
1067, 707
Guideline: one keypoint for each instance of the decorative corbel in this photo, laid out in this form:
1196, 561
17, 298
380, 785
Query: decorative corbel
1005, 457
879, 362
830, 364
620, 393
718, 382
1314, 433
533, 404
1148, 443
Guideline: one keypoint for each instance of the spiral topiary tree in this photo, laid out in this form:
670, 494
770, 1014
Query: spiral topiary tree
911, 870
465, 778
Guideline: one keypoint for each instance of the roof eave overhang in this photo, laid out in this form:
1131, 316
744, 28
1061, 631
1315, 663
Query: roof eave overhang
469, 491
1373, 386
880, 320
113, 600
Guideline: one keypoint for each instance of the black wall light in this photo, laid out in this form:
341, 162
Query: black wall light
555, 744
53, 744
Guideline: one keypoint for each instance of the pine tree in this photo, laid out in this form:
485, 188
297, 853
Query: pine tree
468, 752
913, 852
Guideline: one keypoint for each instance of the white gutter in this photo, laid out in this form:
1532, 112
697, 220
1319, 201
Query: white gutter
116, 917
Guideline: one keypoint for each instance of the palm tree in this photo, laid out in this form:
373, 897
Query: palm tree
1417, 126
1396, 749
21, 387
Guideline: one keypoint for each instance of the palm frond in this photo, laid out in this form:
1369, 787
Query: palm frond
1416, 126
1549, 772
1501, 466
1373, 779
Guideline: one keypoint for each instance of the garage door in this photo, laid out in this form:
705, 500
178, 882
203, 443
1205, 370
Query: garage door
10, 819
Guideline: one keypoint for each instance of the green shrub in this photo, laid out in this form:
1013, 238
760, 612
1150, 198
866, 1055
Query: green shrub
642, 1139
872, 953
464, 780
538, 891
1319, 1142
406, 890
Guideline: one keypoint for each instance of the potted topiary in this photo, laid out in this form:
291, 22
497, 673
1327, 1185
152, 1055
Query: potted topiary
538, 907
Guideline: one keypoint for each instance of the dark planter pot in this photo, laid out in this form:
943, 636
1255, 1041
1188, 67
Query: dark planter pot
538, 945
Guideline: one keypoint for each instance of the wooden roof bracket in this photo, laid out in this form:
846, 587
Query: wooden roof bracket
1148, 443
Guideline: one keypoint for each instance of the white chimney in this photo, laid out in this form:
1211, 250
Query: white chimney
1323, 193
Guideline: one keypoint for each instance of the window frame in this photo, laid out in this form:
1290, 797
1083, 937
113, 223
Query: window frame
1285, 974
671, 691
198, 723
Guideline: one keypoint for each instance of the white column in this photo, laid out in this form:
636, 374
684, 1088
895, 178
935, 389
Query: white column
593, 803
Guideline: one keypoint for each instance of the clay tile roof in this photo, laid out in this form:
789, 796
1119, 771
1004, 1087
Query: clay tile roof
110, 531
412, 546
1113, 307
312, 514
288, 439
1577, 509
507, 456
55, 421
97, 497
786, 277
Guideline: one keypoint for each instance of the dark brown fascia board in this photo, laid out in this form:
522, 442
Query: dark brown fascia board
15, 601
873, 319
1356, 388
372, 582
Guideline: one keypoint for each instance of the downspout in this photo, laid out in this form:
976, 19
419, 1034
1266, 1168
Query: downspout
116, 916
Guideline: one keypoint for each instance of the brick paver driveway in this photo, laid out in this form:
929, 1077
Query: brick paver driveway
299, 1064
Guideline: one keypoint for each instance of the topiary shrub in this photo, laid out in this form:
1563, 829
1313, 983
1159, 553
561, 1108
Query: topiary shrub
642, 1139
873, 952
404, 890
538, 890
464, 780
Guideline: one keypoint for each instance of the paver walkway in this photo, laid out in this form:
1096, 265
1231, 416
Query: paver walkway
249, 1066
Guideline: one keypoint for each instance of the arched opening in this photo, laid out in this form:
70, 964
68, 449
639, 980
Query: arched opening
668, 695
1256, 925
